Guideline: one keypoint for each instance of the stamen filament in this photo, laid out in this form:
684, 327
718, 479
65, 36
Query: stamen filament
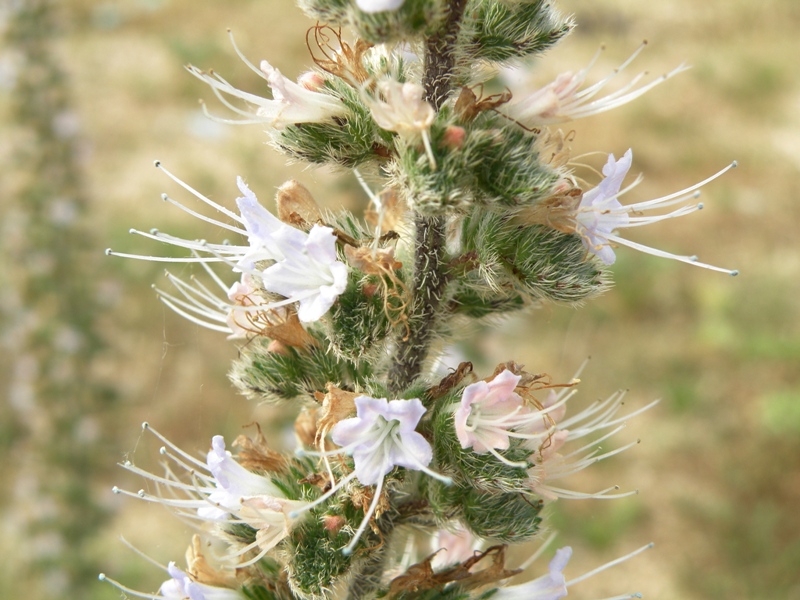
608, 565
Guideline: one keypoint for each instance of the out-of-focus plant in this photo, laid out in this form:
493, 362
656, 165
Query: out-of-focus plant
54, 423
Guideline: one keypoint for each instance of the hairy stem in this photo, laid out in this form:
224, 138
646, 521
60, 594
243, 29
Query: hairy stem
440, 56
430, 276
429, 283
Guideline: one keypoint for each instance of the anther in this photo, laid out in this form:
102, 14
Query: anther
157, 164
115, 490
145, 425
734, 273
108, 252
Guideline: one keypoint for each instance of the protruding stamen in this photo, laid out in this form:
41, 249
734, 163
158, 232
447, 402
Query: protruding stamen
127, 590
608, 565
347, 550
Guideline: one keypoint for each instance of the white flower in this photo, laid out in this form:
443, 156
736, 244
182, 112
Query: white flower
380, 438
234, 483
240, 310
600, 214
547, 587
304, 266
563, 100
550, 466
220, 491
376, 6
554, 584
180, 586
291, 103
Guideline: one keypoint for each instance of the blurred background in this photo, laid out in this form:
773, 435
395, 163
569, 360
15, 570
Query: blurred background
91, 92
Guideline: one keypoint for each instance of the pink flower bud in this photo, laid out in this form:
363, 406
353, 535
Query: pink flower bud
311, 80
454, 137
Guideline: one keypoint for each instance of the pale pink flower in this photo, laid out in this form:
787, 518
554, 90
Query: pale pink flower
563, 100
482, 419
403, 109
453, 546
291, 103
554, 584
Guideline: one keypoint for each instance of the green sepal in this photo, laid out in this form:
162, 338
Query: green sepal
449, 186
474, 299
241, 532
503, 30
316, 557
444, 500
332, 12
346, 141
259, 592
509, 518
545, 263
412, 19
358, 323
511, 172
281, 376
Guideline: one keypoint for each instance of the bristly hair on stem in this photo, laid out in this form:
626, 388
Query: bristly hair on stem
429, 276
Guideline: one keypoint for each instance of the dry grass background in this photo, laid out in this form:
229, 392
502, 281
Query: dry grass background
719, 464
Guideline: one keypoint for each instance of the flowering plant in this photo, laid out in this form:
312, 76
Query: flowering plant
478, 212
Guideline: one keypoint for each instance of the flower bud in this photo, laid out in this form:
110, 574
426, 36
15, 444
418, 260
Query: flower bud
333, 523
311, 80
277, 347
453, 137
